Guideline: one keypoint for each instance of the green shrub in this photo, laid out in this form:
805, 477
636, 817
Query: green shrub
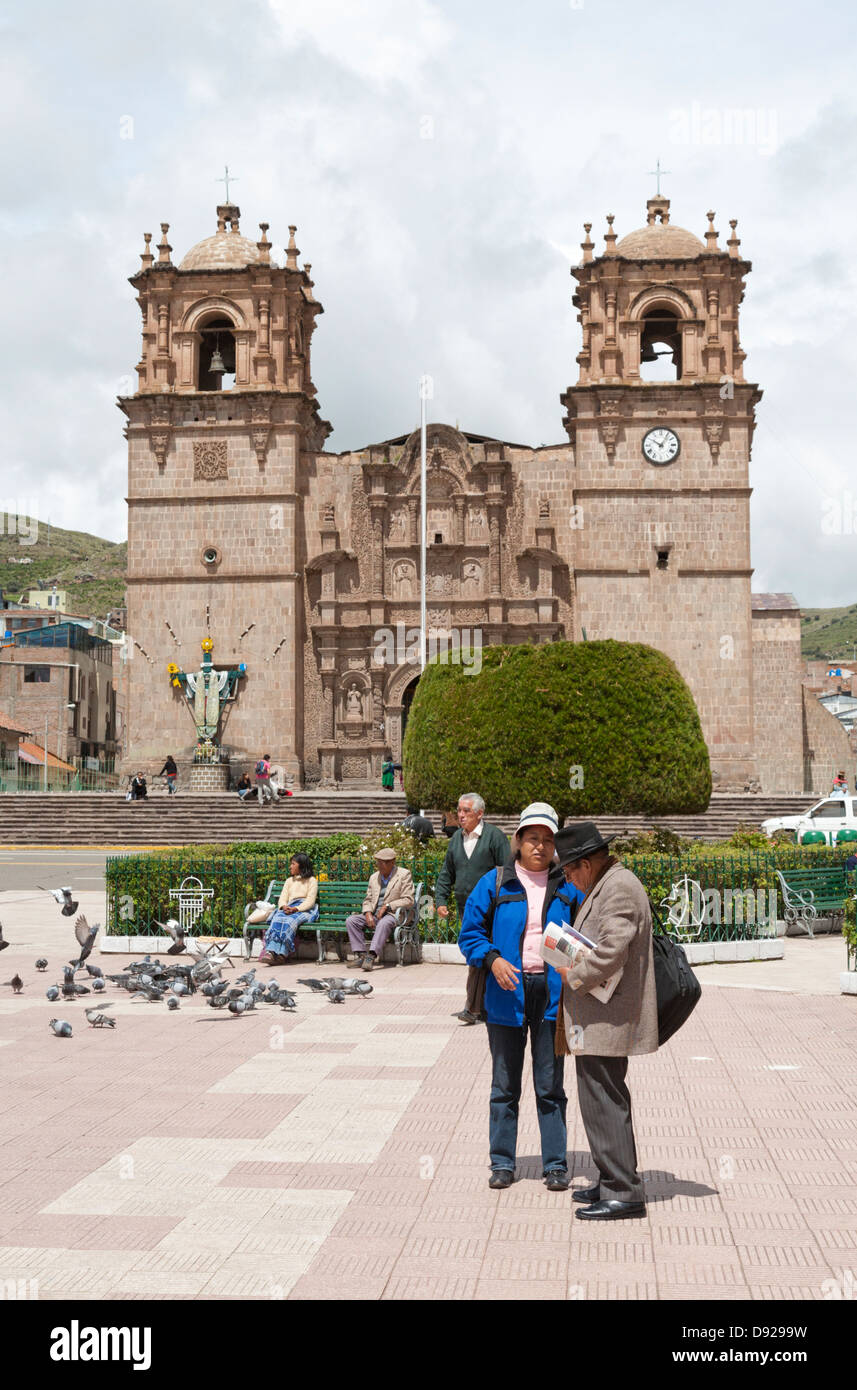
618, 711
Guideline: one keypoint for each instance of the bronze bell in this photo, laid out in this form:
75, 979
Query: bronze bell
217, 367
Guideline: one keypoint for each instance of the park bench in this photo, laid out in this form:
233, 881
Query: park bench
336, 902
808, 893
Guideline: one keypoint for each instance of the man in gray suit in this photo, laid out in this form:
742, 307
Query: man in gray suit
616, 916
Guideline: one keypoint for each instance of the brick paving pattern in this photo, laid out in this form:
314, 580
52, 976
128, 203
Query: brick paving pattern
341, 1151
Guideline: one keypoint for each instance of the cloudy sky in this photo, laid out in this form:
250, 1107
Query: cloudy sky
439, 160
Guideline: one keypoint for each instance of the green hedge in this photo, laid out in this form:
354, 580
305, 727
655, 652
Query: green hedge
138, 885
618, 711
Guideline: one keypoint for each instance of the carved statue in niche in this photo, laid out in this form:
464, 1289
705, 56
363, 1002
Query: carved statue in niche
398, 526
471, 574
404, 577
477, 522
353, 702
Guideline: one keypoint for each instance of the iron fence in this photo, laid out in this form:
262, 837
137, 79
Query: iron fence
138, 886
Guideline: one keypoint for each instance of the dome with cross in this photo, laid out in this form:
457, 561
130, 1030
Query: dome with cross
659, 240
226, 250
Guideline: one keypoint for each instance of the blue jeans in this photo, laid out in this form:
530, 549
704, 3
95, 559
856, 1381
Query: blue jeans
508, 1046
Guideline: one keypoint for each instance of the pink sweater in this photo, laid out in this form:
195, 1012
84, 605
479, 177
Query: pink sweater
536, 885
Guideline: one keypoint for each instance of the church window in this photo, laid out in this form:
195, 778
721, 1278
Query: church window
663, 559
216, 356
438, 538
660, 346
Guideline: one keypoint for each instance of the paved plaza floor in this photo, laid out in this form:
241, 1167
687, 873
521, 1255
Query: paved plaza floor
340, 1152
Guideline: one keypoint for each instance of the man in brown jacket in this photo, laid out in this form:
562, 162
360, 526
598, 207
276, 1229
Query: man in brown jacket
614, 915
390, 887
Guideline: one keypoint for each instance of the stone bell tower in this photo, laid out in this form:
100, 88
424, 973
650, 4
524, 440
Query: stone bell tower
662, 421
220, 433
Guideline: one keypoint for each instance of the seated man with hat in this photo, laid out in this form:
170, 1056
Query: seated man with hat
390, 887
615, 915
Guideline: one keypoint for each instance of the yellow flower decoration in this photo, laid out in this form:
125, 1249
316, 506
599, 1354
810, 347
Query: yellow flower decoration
173, 669
207, 644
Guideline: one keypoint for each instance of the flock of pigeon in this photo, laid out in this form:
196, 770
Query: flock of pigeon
154, 982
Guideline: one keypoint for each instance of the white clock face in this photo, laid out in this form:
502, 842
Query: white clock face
661, 446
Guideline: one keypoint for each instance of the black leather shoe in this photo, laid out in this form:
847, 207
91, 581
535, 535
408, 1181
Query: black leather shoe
501, 1177
587, 1194
556, 1180
466, 1016
611, 1210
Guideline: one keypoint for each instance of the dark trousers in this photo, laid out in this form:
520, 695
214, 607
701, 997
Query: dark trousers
508, 1046
605, 1108
475, 1001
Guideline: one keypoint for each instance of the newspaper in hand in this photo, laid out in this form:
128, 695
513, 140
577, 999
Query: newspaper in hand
562, 946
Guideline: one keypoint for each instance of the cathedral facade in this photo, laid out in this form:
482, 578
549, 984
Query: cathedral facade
301, 568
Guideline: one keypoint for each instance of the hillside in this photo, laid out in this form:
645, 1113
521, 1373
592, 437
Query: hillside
91, 570
829, 632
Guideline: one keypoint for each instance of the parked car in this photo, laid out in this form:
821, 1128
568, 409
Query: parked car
834, 819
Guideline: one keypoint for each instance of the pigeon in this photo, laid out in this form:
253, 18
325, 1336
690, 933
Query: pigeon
348, 986
219, 1001
99, 1020
152, 993
3, 942
246, 979
172, 1002
41, 963
70, 987
98, 985
236, 1006
95, 971
16, 982
52, 993
172, 928
286, 999
336, 996
60, 1027
85, 938
320, 986
178, 987
63, 897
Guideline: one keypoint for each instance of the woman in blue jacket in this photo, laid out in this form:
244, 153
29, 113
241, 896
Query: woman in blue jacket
501, 931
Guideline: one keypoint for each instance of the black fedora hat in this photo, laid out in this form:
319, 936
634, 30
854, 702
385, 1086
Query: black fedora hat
575, 842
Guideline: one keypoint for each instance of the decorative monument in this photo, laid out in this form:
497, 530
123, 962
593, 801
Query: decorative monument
207, 692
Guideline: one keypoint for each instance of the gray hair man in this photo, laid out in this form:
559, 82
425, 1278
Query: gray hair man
473, 850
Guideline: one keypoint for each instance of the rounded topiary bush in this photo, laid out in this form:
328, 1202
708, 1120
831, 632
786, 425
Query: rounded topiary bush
595, 728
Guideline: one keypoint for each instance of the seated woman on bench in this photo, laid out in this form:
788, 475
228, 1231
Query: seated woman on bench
297, 906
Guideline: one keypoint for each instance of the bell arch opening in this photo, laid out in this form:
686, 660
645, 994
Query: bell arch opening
660, 346
216, 359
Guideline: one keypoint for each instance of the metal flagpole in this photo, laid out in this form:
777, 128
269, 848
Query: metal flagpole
424, 388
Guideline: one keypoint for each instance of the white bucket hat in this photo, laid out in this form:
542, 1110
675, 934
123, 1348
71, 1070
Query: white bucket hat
538, 813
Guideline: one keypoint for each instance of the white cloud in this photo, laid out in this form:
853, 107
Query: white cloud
381, 40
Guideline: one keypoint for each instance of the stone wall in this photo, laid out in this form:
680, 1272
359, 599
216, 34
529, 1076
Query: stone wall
827, 747
777, 704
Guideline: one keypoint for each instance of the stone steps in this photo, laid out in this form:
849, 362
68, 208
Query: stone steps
98, 818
